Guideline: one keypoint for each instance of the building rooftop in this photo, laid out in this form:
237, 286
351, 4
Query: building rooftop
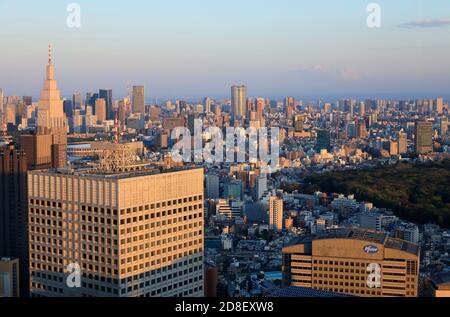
364, 235
146, 170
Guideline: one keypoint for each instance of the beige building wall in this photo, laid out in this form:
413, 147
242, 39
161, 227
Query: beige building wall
341, 266
131, 236
276, 213
100, 109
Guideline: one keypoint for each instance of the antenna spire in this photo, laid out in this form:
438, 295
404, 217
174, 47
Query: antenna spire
49, 53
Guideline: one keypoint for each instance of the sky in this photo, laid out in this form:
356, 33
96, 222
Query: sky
195, 48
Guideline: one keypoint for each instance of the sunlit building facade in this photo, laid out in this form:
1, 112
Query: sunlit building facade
137, 234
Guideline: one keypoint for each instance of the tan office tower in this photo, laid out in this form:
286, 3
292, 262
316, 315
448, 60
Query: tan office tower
100, 109
276, 213
260, 105
138, 99
402, 142
440, 105
38, 148
424, 137
353, 261
444, 128
51, 119
132, 234
238, 101
2, 98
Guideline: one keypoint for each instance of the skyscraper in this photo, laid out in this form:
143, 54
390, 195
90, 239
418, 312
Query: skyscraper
2, 97
260, 105
212, 186
323, 141
260, 186
138, 99
77, 101
361, 129
100, 109
444, 128
207, 104
51, 118
131, 233
106, 94
3, 126
14, 210
238, 98
362, 108
439, 105
402, 142
299, 121
68, 108
424, 137
276, 213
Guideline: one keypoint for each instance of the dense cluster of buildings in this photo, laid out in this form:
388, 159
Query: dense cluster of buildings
91, 184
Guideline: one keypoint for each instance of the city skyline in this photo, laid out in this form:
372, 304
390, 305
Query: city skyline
284, 48
224, 150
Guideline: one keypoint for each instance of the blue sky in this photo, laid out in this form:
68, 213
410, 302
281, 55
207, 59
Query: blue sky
192, 48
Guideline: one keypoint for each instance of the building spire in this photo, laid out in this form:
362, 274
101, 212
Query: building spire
49, 53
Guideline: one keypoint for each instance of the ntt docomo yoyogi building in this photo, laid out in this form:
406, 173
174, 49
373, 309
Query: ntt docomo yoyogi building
353, 261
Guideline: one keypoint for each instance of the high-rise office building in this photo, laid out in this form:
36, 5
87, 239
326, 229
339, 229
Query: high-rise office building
3, 124
68, 108
299, 121
207, 102
289, 106
51, 118
2, 98
260, 186
362, 108
323, 141
260, 105
212, 186
353, 261
249, 107
38, 148
444, 128
100, 109
138, 99
402, 142
238, 98
122, 112
424, 137
90, 99
9, 277
137, 233
106, 94
14, 210
77, 101
439, 105
289, 102
361, 129
276, 213
233, 189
